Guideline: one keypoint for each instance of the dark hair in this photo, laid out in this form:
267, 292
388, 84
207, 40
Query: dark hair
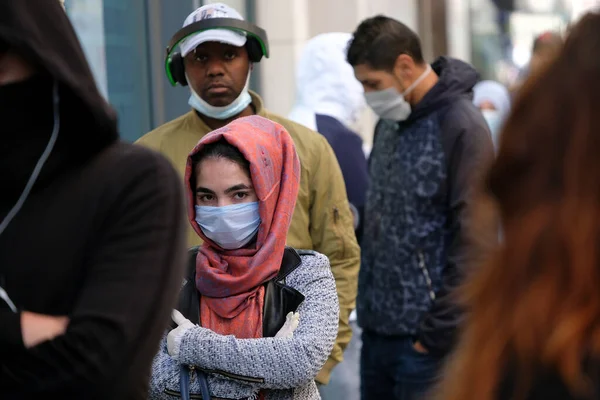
547, 41
535, 305
378, 41
221, 149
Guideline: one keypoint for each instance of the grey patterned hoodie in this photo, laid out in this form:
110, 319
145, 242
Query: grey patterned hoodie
284, 367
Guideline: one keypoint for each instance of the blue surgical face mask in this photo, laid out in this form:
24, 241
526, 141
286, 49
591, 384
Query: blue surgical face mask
231, 227
224, 112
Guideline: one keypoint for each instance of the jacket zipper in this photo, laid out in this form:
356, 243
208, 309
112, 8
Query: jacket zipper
199, 396
226, 374
178, 394
235, 376
425, 272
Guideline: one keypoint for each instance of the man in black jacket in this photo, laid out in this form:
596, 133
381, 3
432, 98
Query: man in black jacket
428, 144
91, 229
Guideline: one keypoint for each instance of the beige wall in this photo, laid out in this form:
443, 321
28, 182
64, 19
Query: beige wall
239, 5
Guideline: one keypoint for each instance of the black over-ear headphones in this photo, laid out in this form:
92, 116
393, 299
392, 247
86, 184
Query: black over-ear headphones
257, 44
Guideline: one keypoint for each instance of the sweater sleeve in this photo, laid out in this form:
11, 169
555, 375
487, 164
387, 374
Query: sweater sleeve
275, 363
131, 275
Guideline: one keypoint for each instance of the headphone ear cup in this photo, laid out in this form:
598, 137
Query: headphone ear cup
178, 69
254, 49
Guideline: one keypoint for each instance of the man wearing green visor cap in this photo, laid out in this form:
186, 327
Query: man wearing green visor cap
217, 49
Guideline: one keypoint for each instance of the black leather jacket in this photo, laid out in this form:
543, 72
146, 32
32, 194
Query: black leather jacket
280, 299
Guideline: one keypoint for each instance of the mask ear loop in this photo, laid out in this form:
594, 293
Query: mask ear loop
34, 175
419, 80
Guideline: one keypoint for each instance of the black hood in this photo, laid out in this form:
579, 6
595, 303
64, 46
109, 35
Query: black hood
456, 79
40, 31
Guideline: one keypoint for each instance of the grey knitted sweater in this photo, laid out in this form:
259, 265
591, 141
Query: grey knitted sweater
284, 367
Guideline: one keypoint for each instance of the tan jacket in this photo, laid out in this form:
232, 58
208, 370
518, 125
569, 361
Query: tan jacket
322, 220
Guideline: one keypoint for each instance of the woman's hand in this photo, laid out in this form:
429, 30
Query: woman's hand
291, 323
38, 328
174, 337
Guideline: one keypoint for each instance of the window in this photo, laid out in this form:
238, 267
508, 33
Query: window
113, 34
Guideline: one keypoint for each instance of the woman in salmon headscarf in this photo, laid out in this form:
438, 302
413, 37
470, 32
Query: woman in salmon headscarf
242, 182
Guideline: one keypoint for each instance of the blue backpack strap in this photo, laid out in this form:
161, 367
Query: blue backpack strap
203, 384
184, 382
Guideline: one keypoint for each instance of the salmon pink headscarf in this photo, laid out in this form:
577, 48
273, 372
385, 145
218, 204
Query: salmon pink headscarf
230, 282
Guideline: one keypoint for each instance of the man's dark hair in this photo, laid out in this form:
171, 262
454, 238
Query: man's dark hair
378, 41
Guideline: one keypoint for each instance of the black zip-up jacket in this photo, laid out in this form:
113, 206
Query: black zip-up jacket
100, 238
414, 248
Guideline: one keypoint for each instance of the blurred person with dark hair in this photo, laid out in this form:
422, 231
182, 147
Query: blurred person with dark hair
545, 48
91, 229
533, 328
429, 143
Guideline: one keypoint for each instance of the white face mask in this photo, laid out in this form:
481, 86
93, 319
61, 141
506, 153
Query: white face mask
223, 112
494, 121
391, 104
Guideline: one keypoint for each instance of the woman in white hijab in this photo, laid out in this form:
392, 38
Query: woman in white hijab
493, 99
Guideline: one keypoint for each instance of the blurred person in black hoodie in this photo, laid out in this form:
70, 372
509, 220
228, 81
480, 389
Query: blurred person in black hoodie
91, 229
